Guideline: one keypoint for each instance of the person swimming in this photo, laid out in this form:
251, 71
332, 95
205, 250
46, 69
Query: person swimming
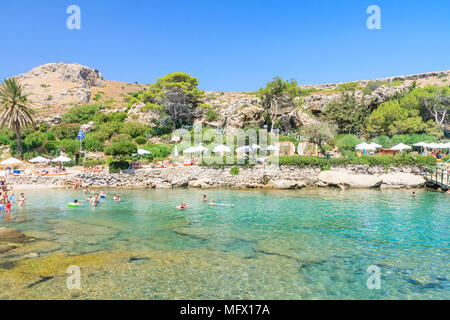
102, 194
413, 193
116, 197
204, 198
85, 190
182, 206
212, 202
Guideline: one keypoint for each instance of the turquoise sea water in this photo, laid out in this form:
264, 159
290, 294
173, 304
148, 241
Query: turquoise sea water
306, 244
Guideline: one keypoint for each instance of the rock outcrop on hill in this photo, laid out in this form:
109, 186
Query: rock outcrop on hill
55, 84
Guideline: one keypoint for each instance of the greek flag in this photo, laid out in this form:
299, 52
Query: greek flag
81, 135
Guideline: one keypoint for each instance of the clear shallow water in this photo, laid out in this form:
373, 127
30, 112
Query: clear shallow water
307, 244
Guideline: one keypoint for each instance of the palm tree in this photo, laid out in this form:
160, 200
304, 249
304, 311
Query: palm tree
15, 114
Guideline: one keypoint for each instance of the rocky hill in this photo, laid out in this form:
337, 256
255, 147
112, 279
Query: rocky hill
56, 87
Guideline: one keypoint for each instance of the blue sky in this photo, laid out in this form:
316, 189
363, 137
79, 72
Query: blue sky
229, 45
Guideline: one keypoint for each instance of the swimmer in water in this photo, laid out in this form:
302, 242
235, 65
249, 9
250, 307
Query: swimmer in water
204, 198
212, 202
413, 193
182, 206
102, 194
85, 190
342, 187
116, 197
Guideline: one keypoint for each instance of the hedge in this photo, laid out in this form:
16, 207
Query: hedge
384, 160
117, 166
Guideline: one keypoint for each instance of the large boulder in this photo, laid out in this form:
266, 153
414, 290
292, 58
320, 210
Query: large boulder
337, 177
200, 183
402, 180
11, 235
285, 184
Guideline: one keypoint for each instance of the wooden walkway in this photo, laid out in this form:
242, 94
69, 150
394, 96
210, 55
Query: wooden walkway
438, 176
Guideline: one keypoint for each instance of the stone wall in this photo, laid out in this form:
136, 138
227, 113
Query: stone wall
284, 177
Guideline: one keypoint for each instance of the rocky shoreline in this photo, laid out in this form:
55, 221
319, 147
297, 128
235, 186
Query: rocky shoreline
273, 177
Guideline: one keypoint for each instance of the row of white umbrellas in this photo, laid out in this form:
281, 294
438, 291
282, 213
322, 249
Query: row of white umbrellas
224, 148
13, 161
402, 146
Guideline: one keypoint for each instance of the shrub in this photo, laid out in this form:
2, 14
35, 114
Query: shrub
347, 142
158, 150
89, 163
92, 143
111, 127
211, 115
234, 171
140, 140
81, 114
68, 145
34, 140
134, 129
117, 116
117, 166
66, 130
44, 126
4, 140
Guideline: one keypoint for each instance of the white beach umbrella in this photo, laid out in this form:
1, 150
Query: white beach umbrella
443, 145
221, 148
61, 159
143, 151
11, 161
420, 144
200, 148
244, 149
401, 146
376, 145
189, 150
272, 148
255, 146
432, 145
365, 146
39, 159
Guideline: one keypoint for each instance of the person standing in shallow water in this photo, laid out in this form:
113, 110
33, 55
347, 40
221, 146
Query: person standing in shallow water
21, 201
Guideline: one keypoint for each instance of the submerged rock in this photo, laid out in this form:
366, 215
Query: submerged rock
11, 235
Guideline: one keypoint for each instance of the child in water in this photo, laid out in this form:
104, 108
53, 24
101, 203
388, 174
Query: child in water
8, 206
116, 197
102, 194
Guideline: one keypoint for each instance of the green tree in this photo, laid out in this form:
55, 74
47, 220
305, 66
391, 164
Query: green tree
278, 93
348, 112
391, 118
15, 114
121, 149
319, 132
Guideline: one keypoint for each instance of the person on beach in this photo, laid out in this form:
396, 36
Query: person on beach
182, 206
204, 198
102, 194
116, 197
22, 199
